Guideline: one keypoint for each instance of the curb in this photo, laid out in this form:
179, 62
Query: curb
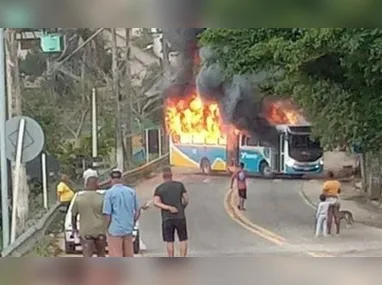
356, 221
239, 218
307, 199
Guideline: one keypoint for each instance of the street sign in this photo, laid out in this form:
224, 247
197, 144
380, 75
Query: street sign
51, 43
33, 142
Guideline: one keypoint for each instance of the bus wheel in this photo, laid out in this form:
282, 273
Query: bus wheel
205, 165
265, 170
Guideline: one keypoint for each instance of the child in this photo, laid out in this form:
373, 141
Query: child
322, 216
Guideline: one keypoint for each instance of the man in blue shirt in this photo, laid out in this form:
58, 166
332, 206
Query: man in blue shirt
122, 211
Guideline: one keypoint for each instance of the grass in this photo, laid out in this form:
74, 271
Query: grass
46, 247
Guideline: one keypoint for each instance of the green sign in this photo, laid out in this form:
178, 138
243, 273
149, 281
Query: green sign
51, 43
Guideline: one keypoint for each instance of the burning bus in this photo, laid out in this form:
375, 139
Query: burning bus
200, 139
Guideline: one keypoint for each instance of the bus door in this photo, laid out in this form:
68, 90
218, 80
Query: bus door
232, 151
250, 153
281, 151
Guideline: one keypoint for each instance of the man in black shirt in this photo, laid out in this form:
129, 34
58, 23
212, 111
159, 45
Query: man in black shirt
172, 198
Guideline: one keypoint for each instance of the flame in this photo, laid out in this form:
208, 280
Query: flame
283, 112
190, 120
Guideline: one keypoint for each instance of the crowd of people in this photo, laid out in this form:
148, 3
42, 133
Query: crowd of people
108, 217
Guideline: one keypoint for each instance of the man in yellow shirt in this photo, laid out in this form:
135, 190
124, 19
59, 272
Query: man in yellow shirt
331, 189
64, 192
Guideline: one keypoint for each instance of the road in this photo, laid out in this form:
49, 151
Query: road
277, 222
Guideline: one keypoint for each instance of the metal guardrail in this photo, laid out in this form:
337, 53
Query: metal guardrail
25, 242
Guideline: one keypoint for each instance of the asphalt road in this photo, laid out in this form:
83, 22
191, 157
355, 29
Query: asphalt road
277, 222
211, 231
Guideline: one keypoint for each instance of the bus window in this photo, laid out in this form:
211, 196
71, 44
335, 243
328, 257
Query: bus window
251, 141
261, 143
243, 140
198, 140
186, 139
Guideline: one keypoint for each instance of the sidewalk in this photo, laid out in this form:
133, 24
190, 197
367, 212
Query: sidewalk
364, 211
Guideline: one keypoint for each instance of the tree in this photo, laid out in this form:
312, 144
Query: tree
60, 99
280, 13
335, 75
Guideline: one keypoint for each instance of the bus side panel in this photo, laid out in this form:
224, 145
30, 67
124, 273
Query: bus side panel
252, 158
180, 157
192, 155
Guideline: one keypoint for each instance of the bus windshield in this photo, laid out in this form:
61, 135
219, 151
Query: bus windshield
303, 148
303, 142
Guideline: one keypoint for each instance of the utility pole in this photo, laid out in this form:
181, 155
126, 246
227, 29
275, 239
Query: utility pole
118, 130
3, 159
14, 86
165, 63
94, 125
9, 75
128, 94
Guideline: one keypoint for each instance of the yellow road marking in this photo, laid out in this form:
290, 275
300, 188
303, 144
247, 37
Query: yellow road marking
245, 220
238, 217
231, 212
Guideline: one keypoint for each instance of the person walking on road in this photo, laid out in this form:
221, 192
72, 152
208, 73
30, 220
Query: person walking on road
241, 177
64, 191
88, 205
172, 198
122, 211
331, 189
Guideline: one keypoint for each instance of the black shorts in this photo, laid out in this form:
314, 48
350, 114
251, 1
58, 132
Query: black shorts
243, 193
170, 226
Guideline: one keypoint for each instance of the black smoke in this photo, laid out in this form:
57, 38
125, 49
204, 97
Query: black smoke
239, 98
184, 41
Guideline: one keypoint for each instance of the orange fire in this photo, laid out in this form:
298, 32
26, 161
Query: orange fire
284, 112
190, 120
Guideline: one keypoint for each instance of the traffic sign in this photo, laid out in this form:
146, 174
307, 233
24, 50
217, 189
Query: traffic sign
33, 142
51, 43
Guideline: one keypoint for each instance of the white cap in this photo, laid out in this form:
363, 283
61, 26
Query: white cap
116, 173
89, 173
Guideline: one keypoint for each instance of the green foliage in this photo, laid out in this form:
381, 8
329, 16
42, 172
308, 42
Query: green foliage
46, 247
53, 118
334, 74
34, 64
38, 105
283, 13
70, 150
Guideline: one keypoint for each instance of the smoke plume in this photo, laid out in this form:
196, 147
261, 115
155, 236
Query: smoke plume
184, 41
239, 100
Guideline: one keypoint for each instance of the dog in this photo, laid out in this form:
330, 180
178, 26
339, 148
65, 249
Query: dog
347, 216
